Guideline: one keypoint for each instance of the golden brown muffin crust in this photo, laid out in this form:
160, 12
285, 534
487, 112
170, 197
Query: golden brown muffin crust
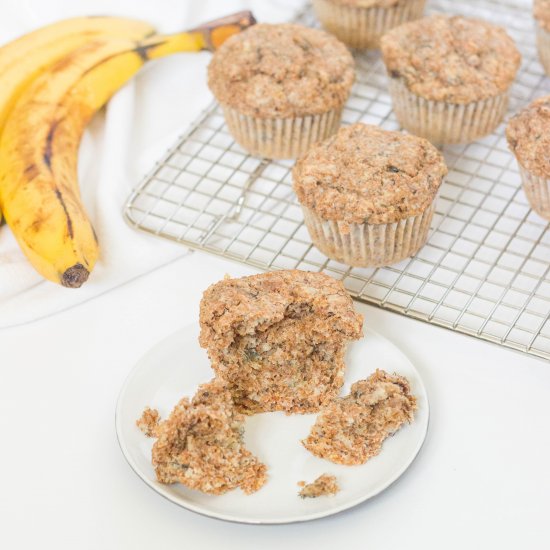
541, 11
452, 59
528, 135
281, 71
365, 174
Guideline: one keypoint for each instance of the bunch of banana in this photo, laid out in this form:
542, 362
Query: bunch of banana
42, 125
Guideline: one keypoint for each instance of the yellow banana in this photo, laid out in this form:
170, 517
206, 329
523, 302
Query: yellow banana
39, 147
28, 56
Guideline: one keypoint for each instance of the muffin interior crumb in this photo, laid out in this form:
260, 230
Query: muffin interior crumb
350, 430
201, 444
324, 485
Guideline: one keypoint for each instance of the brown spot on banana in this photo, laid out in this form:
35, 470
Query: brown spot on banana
31, 171
67, 215
47, 154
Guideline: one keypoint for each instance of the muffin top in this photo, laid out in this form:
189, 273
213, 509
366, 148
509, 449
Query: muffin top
451, 59
528, 134
370, 3
281, 71
365, 174
541, 11
235, 307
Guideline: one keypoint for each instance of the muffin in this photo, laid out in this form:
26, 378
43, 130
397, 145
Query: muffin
277, 340
368, 194
281, 87
541, 11
528, 135
361, 23
201, 444
449, 76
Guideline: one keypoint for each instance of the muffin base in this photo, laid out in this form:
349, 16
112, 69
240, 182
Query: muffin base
537, 190
280, 138
363, 27
543, 46
442, 122
369, 245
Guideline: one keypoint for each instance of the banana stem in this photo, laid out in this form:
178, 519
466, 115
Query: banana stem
209, 36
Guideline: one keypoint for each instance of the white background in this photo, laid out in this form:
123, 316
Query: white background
481, 481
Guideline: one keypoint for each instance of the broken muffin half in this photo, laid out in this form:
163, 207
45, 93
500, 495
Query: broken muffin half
201, 444
278, 339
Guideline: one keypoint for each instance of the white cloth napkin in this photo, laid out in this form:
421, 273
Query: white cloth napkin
140, 122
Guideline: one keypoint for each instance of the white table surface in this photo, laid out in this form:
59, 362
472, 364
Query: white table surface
481, 481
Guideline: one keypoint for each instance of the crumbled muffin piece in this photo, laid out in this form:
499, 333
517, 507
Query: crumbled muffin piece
528, 135
278, 339
351, 429
452, 59
281, 71
365, 174
148, 422
201, 445
541, 11
324, 485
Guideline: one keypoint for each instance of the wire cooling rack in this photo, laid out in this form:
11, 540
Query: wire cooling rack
485, 268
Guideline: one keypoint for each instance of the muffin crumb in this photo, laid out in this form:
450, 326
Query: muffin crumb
350, 430
148, 422
324, 485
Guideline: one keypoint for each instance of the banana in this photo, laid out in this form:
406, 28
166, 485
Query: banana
39, 192
26, 57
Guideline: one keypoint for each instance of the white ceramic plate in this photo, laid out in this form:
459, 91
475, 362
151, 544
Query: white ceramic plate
177, 365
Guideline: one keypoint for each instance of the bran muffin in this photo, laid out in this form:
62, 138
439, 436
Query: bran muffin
368, 194
201, 444
449, 76
350, 430
281, 87
541, 11
361, 23
528, 135
278, 339
324, 485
